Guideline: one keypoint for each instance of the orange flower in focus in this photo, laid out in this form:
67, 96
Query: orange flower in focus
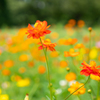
75, 86
8, 63
23, 57
90, 69
31, 64
81, 23
22, 69
6, 72
38, 30
41, 69
63, 64
47, 44
70, 76
71, 53
94, 77
70, 41
78, 46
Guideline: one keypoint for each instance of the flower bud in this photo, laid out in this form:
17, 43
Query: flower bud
26, 97
90, 29
68, 69
89, 91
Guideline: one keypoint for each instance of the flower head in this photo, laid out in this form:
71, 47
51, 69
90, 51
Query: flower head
75, 86
70, 41
90, 69
47, 44
71, 53
39, 29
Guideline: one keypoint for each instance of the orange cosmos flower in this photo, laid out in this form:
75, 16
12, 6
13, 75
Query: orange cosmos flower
94, 77
70, 76
23, 57
78, 46
71, 53
90, 69
47, 44
75, 86
70, 41
6, 72
8, 63
41, 69
81, 23
39, 29
63, 64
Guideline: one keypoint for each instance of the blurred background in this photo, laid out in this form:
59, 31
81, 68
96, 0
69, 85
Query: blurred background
22, 12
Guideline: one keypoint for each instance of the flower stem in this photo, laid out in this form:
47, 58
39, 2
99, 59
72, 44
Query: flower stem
78, 88
47, 69
89, 46
98, 90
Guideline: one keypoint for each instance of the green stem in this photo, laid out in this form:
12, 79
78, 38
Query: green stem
79, 97
98, 90
89, 46
78, 88
47, 69
74, 64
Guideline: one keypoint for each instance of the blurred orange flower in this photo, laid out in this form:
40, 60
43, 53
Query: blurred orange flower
23, 57
22, 69
80, 23
71, 53
75, 86
8, 63
78, 46
70, 41
90, 69
63, 64
54, 54
70, 76
38, 30
31, 64
41, 69
6, 72
54, 35
47, 44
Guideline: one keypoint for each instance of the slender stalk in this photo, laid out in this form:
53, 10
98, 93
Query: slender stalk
89, 46
47, 69
79, 97
78, 88
98, 90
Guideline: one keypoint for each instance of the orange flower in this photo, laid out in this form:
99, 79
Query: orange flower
47, 44
72, 22
54, 54
81, 23
70, 76
39, 29
78, 46
94, 77
75, 86
6, 72
63, 64
71, 53
70, 41
90, 69
31, 64
23, 57
22, 69
41, 69
8, 63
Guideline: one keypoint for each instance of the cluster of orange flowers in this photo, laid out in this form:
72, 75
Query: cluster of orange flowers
39, 30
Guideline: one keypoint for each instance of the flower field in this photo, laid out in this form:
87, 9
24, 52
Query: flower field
50, 62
